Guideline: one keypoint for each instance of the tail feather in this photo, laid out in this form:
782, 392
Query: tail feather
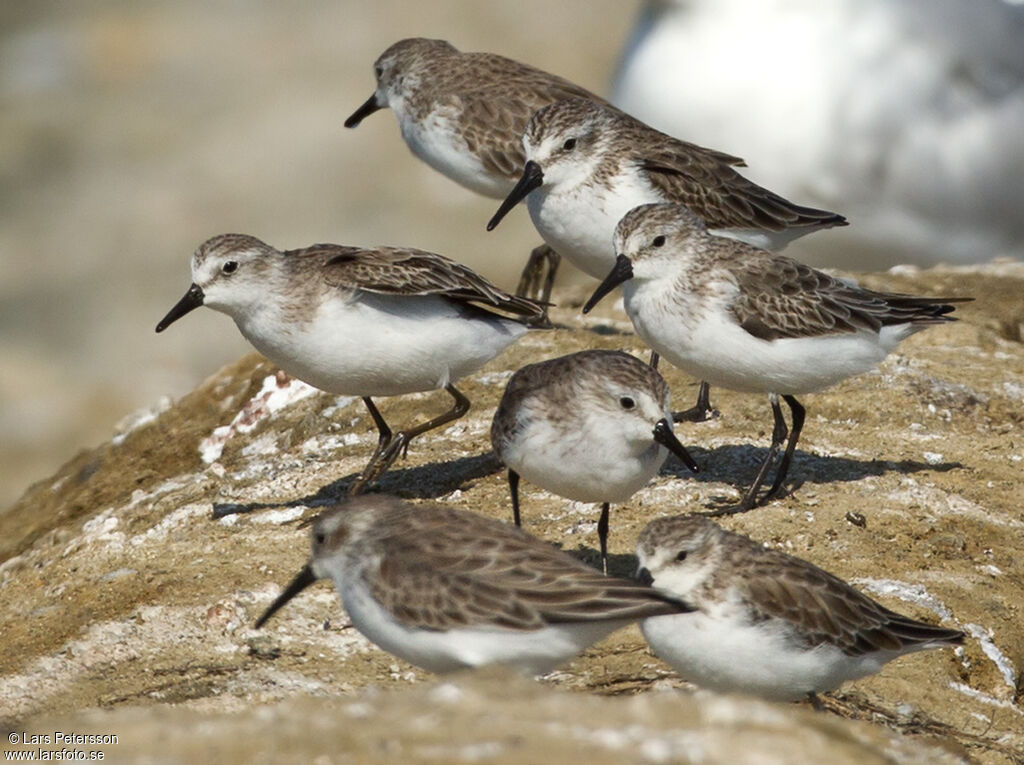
921, 310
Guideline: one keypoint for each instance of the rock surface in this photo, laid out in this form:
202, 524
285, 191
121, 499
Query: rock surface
129, 581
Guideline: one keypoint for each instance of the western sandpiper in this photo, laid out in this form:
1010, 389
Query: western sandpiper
464, 115
446, 589
593, 426
376, 321
767, 623
751, 320
587, 165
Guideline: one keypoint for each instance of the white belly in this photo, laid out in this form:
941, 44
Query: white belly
437, 142
535, 652
712, 347
582, 465
579, 223
383, 346
731, 656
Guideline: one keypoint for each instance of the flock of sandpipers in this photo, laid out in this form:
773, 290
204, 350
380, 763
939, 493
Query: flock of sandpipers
683, 233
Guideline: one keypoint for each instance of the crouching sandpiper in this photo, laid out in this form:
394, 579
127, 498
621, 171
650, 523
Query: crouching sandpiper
447, 589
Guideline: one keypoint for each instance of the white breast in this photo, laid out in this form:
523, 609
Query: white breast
535, 652
580, 460
437, 140
579, 222
378, 345
721, 650
705, 341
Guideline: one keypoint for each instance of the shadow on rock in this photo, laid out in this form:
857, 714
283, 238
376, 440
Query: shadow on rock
738, 465
421, 482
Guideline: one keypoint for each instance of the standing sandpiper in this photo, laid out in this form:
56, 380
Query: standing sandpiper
751, 320
593, 426
587, 165
464, 115
379, 321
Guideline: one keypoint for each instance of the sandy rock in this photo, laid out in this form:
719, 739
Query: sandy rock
129, 581
498, 718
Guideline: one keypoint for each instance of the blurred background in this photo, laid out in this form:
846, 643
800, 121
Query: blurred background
905, 115
131, 132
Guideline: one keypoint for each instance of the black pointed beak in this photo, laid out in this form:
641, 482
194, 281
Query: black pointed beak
533, 176
363, 112
621, 272
663, 435
192, 300
301, 581
644, 577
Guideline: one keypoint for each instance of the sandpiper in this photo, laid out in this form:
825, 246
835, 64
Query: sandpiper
587, 165
447, 589
767, 624
593, 426
464, 115
360, 321
751, 320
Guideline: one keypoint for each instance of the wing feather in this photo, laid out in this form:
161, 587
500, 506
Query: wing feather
485, 573
498, 101
779, 297
408, 271
705, 181
826, 609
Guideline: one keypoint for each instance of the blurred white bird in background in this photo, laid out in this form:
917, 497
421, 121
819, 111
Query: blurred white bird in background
907, 116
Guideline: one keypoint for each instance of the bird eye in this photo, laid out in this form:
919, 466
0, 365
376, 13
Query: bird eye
379, 71
681, 556
319, 537
569, 144
230, 267
658, 241
626, 402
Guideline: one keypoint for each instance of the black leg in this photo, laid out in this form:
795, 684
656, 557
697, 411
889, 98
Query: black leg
554, 260
531, 283
779, 433
383, 438
399, 442
513, 487
797, 411
602, 536
383, 431
699, 412
815, 702
655, 358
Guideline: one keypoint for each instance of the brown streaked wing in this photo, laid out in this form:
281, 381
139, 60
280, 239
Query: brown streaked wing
780, 297
445, 569
407, 271
421, 596
825, 609
494, 115
704, 180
